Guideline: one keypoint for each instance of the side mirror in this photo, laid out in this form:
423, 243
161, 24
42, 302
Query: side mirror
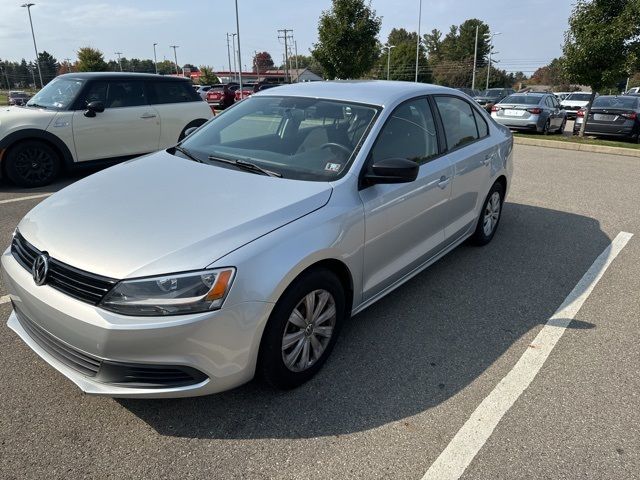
392, 170
93, 108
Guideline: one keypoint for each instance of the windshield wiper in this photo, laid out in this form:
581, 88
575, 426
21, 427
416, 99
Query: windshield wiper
35, 105
187, 153
251, 167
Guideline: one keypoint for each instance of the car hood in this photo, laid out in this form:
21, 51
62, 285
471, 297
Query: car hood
23, 117
162, 214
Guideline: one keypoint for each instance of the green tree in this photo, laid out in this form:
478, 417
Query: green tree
207, 77
402, 64
552, 74
347, 45
166, 67
90, 60
602, 43
48, 65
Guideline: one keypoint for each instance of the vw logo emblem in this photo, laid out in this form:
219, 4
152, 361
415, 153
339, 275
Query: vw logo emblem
40, 269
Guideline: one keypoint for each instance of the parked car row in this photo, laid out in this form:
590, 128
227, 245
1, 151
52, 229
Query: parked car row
612, 116
95, 118
490, 97
226, 94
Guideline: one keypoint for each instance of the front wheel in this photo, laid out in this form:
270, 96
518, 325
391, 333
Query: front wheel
489, 216
563, 125
302, 329
545, 128
32, 163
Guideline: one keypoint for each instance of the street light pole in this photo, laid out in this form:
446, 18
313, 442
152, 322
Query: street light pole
175, 56
239, 55
155, 60
388, 48
229, 55
235, 69
35, 47
418, 41
490, 49
119, 61
475, 61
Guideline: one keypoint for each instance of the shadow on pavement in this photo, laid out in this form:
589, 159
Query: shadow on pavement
418, 346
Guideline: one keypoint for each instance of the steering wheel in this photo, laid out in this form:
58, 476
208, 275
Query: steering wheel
337, 145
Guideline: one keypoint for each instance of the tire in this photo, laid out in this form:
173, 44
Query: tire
547, 125
483, 235
32, 163
195, 123
272, 367
563, 125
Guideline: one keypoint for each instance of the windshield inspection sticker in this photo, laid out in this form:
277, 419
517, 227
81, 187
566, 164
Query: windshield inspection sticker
333, 167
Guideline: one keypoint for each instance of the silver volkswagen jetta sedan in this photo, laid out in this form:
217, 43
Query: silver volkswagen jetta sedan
242, 250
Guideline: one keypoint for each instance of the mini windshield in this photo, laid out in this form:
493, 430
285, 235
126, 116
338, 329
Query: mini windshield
491, 93
579, 97
58, 94
522, 99
295, 137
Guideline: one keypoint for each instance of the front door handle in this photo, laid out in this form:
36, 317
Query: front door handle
148, 115
444, 181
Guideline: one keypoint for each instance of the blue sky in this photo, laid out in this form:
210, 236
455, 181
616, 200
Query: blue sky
532, 30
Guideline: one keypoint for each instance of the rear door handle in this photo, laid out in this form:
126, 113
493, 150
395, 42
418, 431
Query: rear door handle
487, 159
148, 115
444, 181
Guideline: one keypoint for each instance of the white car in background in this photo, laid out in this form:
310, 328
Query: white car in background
95, 118
575, 102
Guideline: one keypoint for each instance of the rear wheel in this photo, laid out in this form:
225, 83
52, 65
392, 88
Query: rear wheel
32, 163
302, 329
489, 215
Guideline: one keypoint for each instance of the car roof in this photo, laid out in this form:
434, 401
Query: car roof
372, 92
531, 94
122, 76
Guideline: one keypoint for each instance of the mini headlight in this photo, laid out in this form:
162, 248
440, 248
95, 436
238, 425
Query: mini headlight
176, 294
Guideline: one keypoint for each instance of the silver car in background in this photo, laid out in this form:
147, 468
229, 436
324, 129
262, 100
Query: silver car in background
243, 250
538, 112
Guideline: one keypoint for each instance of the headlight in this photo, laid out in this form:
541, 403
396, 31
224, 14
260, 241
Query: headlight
181, 293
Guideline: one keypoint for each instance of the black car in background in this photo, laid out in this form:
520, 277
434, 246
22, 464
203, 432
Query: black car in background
490, 97
612, 116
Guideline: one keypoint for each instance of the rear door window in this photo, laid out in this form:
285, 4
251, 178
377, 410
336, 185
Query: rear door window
458, 121
172, 92
125, 94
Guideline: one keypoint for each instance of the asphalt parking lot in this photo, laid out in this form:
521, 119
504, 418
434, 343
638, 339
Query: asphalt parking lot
407, 374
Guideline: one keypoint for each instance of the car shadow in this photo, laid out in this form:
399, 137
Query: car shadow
418, 346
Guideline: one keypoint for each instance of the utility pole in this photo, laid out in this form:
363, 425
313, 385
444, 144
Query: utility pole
418, 41
491, 35
235, 70
295, 45
285, 36
229, 55
475, 60
175, 56
6, 77
155, 60
239, 55
388, 48
68, 60
119, 61
28, 7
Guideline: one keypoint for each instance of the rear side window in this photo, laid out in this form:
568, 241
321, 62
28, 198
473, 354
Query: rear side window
409, 133
458, 120
173, 92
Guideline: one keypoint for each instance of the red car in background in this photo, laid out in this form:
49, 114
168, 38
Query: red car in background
247, 90
222, 95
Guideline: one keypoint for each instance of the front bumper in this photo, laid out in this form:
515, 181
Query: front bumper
222, 345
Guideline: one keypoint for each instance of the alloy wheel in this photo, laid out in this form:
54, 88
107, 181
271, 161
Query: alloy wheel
308, 330
491, 213
34, 164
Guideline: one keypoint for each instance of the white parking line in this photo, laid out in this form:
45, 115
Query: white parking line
465, 445
30, 197
4, 299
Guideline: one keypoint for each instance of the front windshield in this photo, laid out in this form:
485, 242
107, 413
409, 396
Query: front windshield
57, 94
298, 138
491, 93
580, 97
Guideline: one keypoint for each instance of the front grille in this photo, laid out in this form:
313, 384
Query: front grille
84, 286
62, 352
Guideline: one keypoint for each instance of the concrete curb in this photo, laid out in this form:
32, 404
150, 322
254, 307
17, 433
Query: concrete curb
582, 147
